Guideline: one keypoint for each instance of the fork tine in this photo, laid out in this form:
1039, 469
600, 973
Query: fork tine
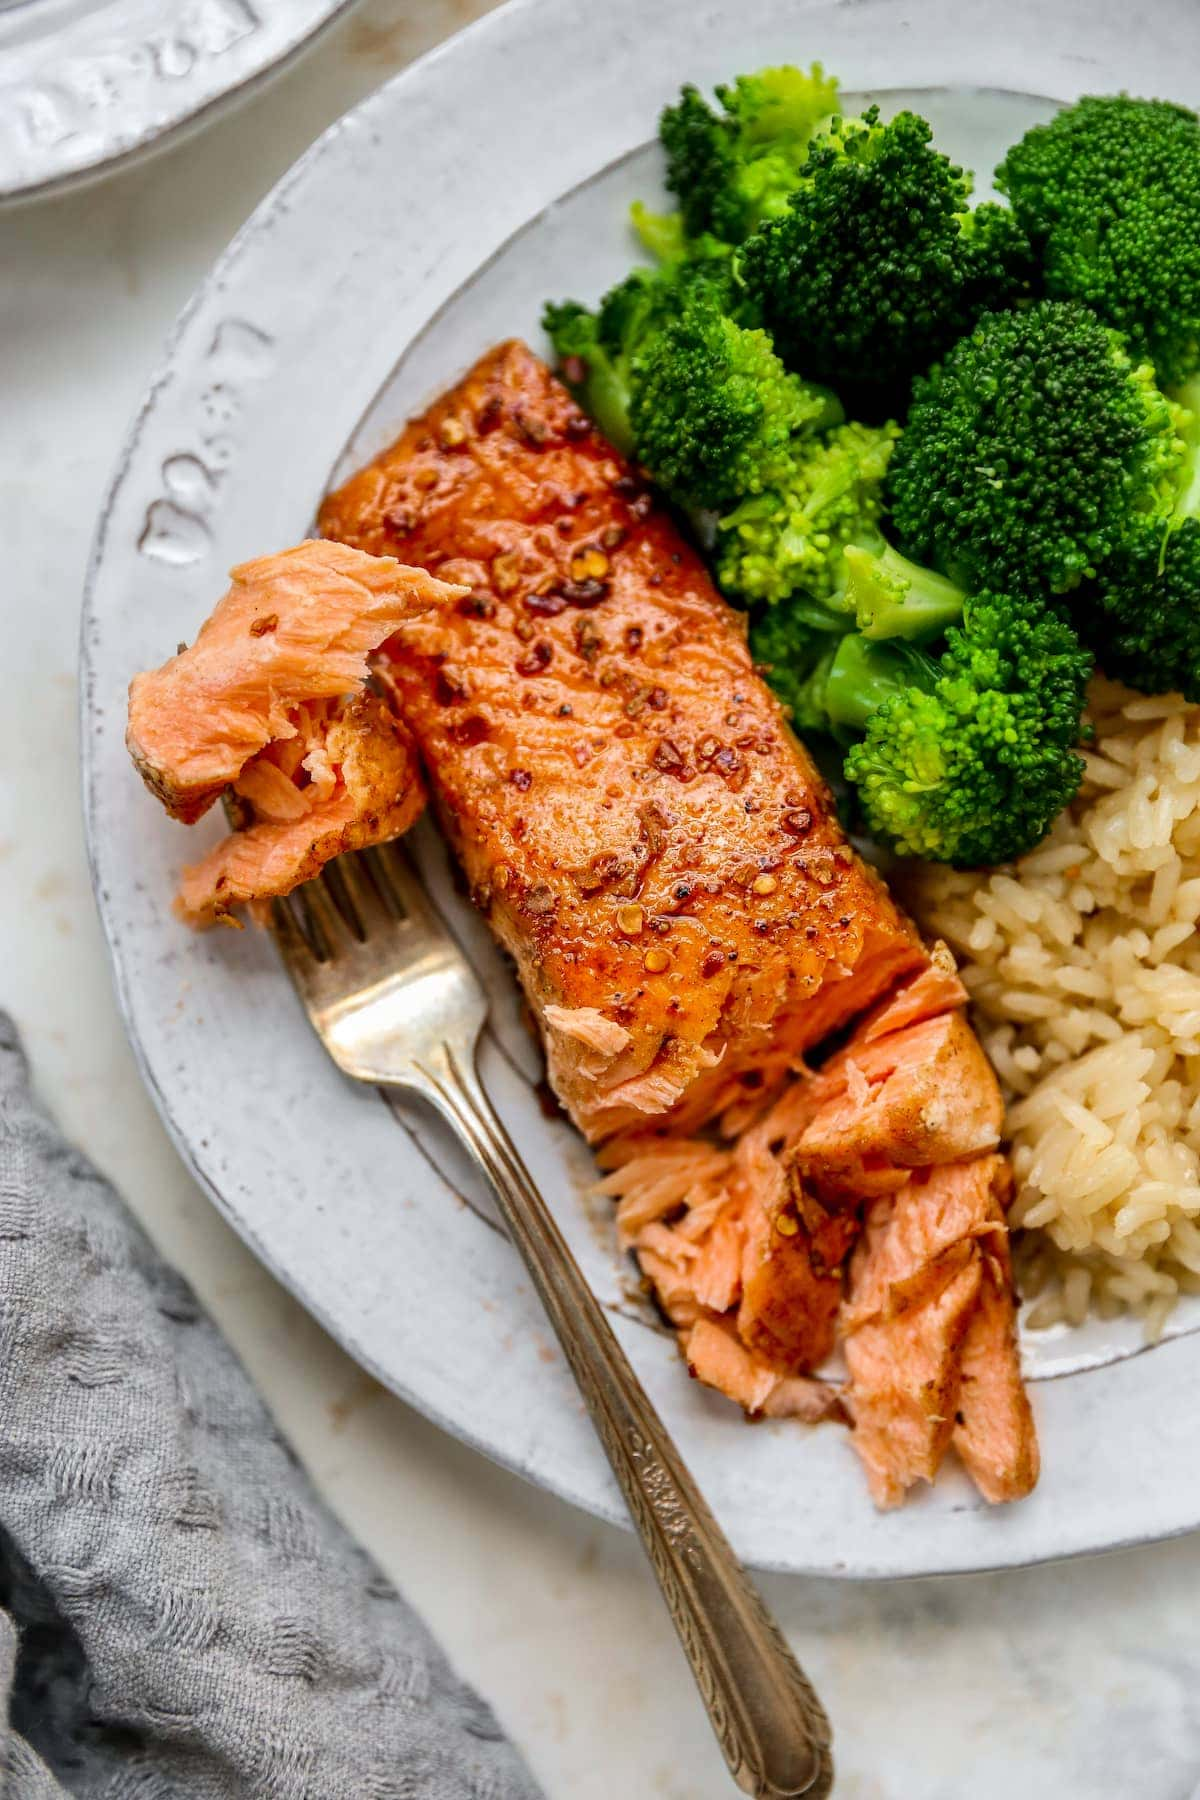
294, 947
399, 881
325, 930
374, 910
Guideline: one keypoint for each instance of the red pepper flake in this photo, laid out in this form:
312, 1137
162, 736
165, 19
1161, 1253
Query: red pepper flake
798, 822
667, 756
634, 636
448, 687
585, 593
657, 699
399, 518
478, 605
578, 425
522, 780
588, 641
470, 731
536, 658
262, 627
489, 414
533, 429
713, 963
547, 606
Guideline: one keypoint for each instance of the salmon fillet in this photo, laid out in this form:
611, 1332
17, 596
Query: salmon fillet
363, 787
645, 835
293, 628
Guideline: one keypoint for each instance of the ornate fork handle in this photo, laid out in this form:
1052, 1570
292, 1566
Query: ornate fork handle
767, 1719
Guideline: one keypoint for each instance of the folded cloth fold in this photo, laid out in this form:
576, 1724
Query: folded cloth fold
183, 1618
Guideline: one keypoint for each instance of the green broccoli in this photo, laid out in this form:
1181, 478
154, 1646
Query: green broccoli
1109, 192
974, 766
1034, 452
597, 350
1145, 624
714, 413
794, 651
892, 597
791, 538
878, 264
962, 713
732, 169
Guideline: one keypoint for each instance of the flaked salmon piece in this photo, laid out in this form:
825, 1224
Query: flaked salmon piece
905, 1379
940, 1210
994, 1433
672, 1289
653, 1178
934, 990
921, 1095
789, 1292
710, 1262
930, 1282
293, 628
372, 791
715, 1357
643, 832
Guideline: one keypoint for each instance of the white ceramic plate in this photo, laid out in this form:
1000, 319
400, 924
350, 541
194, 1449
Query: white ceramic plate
427, 224
86, 84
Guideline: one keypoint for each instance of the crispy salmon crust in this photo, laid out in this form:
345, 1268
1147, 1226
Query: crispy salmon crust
645, 835
293, 628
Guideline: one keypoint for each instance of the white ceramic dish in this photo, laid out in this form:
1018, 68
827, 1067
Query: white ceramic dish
88, 84
429, 223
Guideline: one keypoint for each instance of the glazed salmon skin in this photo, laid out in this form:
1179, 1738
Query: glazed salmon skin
644, 833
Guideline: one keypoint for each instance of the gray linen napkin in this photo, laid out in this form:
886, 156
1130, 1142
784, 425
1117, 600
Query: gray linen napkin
183, 1619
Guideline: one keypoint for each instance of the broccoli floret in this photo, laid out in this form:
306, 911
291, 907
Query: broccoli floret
713, 410
1109, 192
731, 169
597, 350
1145, 629
892, 597
1034, 452
877, 264
974, 767
791, 538
598, 378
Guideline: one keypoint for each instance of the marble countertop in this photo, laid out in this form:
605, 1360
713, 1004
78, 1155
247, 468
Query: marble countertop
1078, 1680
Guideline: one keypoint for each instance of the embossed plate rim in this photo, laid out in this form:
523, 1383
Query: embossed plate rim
155, 109
403, 206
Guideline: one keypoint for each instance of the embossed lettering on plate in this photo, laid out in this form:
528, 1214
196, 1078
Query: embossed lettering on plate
177, 528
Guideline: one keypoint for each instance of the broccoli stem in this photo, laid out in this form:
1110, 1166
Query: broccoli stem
861, 675
892, 597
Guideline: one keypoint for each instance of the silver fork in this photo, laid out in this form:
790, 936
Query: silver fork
396, 1004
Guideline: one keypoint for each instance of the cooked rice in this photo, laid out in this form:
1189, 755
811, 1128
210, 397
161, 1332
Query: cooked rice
1083, 967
